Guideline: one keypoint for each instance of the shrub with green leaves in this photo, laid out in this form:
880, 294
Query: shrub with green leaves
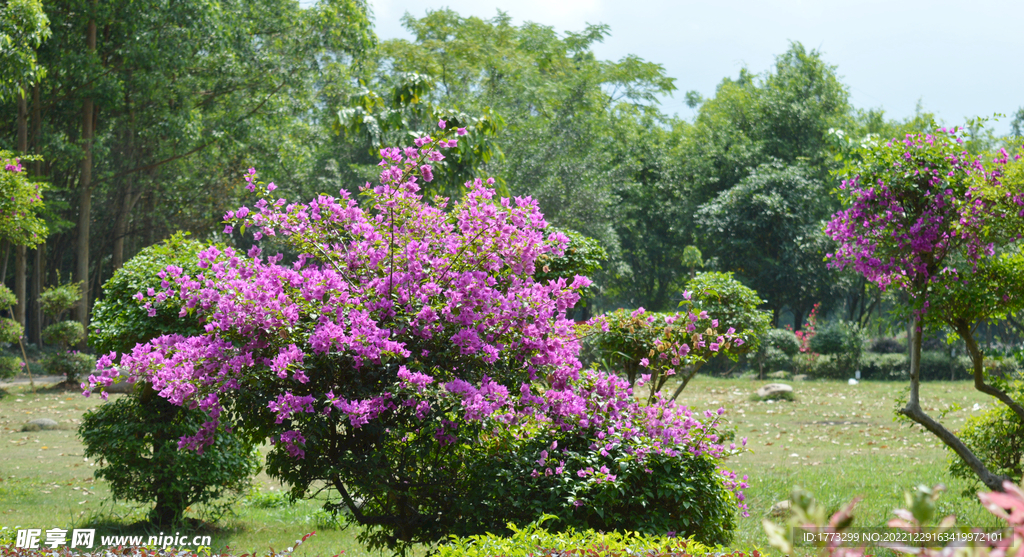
887, 345
583, 256
776, 352
72, 364
64, 333
9, 366
884, 367
732, 304
10, 333
831, 366
55, 302
536, 539
148, 467
840, 338
686, 493
996, 436
135, 440
120, 321
939, 366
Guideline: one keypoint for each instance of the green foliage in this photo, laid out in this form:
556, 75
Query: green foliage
72, 364
9, 366
772, 359
767, 229
783, 340
886, 345
64, 333
57, 299
831, 366
839, 338
732, 304
135, 440
148, 467
23, 27
119, 321
996, 436
20, 199
884, 367
583, 256
658, 494
7, 298
10, 331
692, 258
939, 366
268, 500
535, 539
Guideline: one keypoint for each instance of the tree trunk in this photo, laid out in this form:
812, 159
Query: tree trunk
37, 129
85, 192
36, 321
22, 125
19, 284
914, 411
19, 254
3, 269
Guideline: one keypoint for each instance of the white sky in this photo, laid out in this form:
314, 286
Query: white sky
959, 58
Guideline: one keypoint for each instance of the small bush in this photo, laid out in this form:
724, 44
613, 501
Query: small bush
996, 437
9, 366
776, 360
778, 395
136, 443
1007, 368
10, 331
536, 540
268, 500
120, 321
72, 364
840, 338
887, 345
938, 366
783, 340
64, 333
832, 366
884, 367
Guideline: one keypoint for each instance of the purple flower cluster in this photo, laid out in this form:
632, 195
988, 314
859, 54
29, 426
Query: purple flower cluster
917, 204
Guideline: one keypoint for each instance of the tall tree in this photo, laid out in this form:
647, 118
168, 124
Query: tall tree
126, 129
759, 157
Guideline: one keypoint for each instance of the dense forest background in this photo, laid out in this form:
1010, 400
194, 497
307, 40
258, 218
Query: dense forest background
145, 117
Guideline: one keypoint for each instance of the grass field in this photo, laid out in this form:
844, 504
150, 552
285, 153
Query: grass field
836, 440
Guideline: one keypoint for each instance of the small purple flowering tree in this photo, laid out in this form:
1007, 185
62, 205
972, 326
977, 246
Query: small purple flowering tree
398, 349
923, 215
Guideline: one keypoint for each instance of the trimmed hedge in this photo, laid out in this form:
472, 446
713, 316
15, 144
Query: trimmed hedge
535, 541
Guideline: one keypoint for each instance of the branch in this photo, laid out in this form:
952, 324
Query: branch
913, 411
977, 359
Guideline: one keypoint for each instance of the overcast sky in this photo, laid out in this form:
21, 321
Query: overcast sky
959, 58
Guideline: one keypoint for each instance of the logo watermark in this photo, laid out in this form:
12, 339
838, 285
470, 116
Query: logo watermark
85, 538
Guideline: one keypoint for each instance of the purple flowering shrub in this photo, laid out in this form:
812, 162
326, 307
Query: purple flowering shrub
385, 360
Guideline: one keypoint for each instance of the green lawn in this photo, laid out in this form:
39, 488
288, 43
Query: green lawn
836, 440
840, 441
